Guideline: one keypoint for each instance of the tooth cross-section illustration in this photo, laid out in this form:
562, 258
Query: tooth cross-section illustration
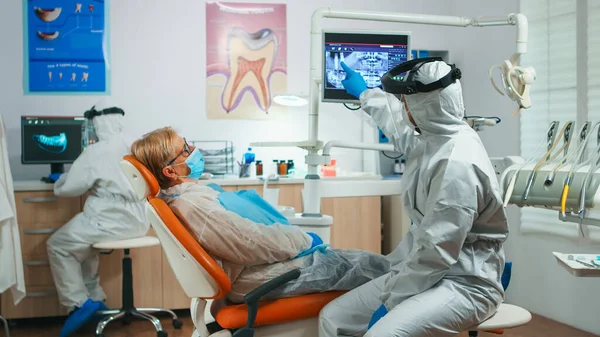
251, 60
52, 144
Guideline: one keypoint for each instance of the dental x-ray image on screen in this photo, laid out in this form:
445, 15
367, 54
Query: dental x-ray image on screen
370, 54
47, 140
371, 65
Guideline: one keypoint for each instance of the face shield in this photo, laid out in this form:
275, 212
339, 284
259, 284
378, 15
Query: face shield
402, 81
89, 133
398, 113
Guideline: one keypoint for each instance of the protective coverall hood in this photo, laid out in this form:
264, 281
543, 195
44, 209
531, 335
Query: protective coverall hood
439, 112
108, 126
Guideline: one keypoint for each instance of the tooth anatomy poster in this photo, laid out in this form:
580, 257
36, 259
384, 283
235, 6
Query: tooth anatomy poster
246, 60
65, 44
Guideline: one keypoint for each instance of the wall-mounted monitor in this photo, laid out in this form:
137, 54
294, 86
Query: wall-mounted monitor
371, 53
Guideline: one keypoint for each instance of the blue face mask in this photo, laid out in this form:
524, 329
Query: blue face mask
195, 161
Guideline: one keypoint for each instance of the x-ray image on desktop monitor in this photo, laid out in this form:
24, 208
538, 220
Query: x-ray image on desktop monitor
371, 54
51, 140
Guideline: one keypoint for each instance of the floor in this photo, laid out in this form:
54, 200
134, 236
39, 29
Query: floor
538, 327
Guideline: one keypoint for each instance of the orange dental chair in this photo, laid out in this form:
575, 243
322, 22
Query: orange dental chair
203, 279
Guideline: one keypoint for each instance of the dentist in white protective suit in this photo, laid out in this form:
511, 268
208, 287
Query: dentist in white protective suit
111, 212
446, 274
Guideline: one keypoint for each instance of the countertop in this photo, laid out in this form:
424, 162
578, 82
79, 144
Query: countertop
35, 185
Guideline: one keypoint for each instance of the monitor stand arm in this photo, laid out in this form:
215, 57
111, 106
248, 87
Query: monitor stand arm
57, 168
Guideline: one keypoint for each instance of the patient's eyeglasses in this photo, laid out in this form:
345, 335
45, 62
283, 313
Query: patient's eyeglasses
186, 150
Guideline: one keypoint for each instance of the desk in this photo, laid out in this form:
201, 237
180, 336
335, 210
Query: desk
357, 225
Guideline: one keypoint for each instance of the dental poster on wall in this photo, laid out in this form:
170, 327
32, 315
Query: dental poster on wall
246, 60
65, 44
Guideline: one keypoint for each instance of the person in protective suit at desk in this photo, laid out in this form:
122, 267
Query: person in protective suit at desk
111, 212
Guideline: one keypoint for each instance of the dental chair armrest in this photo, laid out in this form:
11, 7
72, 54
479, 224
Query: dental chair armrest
252, 298
256, 294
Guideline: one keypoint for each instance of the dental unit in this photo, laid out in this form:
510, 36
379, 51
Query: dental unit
516, 81
577, 198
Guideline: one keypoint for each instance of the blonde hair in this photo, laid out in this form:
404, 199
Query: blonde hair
155, 150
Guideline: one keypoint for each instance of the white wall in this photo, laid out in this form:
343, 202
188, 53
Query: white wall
158, 75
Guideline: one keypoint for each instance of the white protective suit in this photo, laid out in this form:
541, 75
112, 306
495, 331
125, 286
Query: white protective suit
253, 253
446, 272
11, 260
111, 212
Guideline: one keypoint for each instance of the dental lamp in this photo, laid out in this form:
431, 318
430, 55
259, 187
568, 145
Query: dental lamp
516, 81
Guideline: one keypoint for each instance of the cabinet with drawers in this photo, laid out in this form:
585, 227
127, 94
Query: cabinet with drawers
356, 225
39, 214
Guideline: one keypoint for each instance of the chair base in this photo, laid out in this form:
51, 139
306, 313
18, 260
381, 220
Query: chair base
126, 315
5, 323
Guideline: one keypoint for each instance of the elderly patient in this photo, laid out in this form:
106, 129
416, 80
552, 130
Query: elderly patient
250, 239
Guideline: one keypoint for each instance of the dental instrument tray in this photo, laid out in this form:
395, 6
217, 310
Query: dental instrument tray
218, 155
580, 265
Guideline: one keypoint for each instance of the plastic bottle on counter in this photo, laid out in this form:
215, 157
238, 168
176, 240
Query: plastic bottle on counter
290, 167
397, 167
249, 156
282, 168
259, 168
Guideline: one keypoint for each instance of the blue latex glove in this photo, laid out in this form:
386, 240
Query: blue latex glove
354, 83
377, 315
316, 245
55, 176
316, 240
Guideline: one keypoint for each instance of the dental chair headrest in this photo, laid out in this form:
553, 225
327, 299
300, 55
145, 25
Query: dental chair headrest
142, 180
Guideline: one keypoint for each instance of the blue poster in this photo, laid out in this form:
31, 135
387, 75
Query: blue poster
66, 44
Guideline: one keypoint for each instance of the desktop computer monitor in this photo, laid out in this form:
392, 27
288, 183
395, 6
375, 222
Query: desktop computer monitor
51, 140
371, 54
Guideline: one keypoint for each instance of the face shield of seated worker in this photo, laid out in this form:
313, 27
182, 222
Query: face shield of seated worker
446, 272
250, 239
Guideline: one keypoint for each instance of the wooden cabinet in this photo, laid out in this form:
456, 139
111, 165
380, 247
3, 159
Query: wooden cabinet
39, 302
40, 214
357, 225
291, 195
356, 222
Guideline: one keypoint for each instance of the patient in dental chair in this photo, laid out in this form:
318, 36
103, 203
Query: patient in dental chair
249, 238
